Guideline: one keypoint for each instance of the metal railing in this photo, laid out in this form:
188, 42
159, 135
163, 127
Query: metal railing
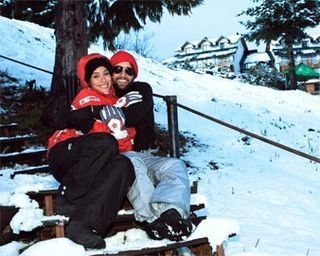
27, 65
70, 83
174, 135
172, 113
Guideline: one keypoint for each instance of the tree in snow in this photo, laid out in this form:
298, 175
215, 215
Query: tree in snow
137, 42
285, 19
40, 12
265, 75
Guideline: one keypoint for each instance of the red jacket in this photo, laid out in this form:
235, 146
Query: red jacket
90, 97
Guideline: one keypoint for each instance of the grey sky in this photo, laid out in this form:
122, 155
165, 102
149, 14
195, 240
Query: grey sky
212, 19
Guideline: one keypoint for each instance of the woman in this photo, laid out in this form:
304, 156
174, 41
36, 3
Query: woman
94, 178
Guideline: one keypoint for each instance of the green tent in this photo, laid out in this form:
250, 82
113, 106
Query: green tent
304, 72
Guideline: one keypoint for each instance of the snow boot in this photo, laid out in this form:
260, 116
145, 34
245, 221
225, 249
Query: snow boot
80, 233
170, 225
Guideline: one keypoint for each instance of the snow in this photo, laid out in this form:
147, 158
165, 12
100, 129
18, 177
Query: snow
69, 248
268, 196
257, 57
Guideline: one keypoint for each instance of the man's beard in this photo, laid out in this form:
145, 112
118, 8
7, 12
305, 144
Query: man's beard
122, 85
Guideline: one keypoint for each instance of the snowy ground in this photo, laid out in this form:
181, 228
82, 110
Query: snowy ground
269, 196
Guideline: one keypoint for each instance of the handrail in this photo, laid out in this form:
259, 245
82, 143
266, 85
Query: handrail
279, 145
25, 64
70, 82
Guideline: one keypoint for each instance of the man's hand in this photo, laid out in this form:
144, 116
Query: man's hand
114, 119
128, 99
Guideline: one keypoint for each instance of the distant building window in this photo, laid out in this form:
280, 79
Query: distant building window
298, 59
204, 47
304, 43
222, 45
188, 49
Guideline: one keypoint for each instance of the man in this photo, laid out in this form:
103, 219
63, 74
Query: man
161, 192
140, 116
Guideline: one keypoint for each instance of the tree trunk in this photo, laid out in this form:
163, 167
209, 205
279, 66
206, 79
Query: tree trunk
292, 74
71, 44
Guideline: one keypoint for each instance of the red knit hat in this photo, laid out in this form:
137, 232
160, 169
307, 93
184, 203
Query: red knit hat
123, 56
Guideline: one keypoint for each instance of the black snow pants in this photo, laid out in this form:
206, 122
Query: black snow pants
94, 178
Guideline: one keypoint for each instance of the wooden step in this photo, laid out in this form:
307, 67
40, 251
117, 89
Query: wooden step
46, 200
199, 247
126, 221
55, 226
19, 138
31, 157
196, 247
122, 222
8, 129
17, 143
31, 170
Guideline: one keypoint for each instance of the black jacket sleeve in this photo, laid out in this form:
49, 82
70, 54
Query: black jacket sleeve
81, 119
136, 112
141, 116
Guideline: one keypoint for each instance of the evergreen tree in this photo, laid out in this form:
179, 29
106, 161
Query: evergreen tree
285, 19
40, 12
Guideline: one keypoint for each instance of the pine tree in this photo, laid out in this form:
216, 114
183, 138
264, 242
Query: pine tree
285, 19
40, 12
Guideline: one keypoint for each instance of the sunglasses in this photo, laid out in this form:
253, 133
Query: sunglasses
118, 69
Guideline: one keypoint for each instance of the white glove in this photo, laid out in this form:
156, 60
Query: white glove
128, 99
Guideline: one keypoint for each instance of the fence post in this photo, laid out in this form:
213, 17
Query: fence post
173, 125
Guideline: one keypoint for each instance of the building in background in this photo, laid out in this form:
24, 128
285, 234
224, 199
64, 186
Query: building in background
237, 55
206, 54
306, 51
248, 55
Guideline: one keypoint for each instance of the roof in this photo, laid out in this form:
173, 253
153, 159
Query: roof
257, 57
232, 39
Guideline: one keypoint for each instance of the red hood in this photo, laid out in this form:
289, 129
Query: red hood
82, 65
